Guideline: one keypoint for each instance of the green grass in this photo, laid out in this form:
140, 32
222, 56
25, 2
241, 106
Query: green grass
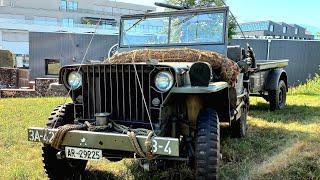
280, 145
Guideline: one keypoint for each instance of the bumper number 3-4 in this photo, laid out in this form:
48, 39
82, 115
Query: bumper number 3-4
156, 147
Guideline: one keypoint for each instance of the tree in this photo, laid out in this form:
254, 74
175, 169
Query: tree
208, 3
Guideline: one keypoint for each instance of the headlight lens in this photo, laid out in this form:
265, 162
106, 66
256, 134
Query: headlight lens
74, 80
164, 81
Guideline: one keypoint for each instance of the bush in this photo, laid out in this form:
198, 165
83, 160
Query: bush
311, 87
6, 58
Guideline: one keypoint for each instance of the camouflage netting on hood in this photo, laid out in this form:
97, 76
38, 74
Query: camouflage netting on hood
228, 69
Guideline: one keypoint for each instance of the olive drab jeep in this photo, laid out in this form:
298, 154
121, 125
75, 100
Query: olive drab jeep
161, 98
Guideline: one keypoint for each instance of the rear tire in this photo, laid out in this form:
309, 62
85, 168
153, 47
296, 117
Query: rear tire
278, 97
61, 168
207, 145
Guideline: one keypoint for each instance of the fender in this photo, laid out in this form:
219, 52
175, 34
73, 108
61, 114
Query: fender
274, 77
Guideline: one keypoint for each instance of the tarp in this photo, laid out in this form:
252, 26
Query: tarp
228, 69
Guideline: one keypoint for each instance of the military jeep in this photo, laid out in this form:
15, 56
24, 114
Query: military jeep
162, 113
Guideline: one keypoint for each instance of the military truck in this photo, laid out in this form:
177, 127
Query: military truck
162, 113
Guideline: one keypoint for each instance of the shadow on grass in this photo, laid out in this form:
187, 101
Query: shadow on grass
134, 171
291, 113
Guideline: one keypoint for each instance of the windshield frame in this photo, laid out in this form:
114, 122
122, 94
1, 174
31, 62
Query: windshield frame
170, 15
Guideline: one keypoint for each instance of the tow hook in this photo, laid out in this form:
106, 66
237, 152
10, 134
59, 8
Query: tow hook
61, 155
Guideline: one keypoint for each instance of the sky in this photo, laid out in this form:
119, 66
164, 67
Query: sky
306, 12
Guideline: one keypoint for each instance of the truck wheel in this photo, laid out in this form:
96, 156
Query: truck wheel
239, 127
207, 145
61, 168
277, 98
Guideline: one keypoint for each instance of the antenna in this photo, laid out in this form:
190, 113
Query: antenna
234, 18
250, 50
171, 6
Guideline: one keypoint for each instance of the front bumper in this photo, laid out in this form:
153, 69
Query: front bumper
107, 141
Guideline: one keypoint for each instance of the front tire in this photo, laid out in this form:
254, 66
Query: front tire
207, 145
278, 97
61, 168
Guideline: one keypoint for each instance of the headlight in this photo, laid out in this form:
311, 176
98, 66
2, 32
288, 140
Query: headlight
74, 80
164, 81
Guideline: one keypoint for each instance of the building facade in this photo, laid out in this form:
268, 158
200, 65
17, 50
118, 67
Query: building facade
19, 17
273, 30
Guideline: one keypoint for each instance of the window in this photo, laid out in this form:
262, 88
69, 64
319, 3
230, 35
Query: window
52, 66
67, 22
200, 28
12, 3
284, 29
194, 28
45, 20
124, 11
63, 5
116, 10
296, 31
258, 26
271, 28
72, 6
108, 9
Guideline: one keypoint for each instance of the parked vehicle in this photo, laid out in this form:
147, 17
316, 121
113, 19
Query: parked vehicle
267, 78
165, 113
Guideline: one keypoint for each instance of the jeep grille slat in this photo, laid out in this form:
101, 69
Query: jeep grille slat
121, 95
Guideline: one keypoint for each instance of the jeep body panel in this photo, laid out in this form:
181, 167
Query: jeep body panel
213, 87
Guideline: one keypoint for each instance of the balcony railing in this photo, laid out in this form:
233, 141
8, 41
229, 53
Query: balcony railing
53, 23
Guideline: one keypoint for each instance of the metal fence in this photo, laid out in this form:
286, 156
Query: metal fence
304, 55
67, 48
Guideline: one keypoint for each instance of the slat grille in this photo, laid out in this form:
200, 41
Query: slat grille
115, 89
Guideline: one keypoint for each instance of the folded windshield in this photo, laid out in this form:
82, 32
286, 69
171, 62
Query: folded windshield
189, 28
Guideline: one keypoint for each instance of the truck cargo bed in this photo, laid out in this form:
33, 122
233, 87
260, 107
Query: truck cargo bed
271, 64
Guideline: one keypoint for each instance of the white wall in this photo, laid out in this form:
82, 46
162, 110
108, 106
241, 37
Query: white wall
1, 46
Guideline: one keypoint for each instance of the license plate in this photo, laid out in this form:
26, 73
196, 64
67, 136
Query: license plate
83, 153
37, 135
